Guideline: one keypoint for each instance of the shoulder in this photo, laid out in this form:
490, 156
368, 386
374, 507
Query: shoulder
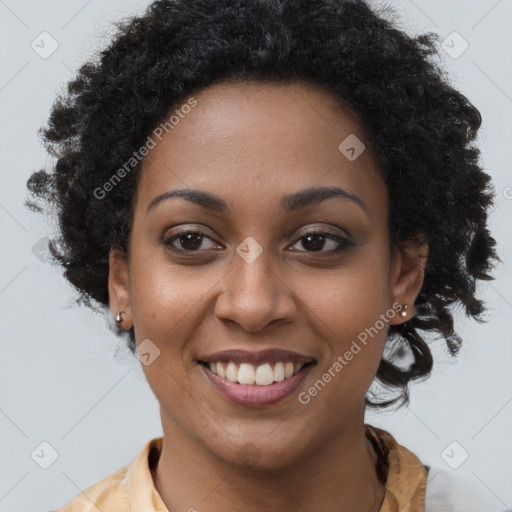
128, 488
447, 492
441, 490
107, 494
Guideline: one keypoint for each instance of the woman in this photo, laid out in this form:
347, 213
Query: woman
273, 199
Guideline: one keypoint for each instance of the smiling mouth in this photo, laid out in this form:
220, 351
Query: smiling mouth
257, 383
249, 374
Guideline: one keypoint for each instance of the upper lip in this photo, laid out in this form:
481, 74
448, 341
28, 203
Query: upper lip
264, 356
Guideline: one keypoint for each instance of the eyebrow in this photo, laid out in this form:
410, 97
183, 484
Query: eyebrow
292, 202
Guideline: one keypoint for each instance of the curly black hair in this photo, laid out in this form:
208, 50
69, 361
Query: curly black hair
419, 128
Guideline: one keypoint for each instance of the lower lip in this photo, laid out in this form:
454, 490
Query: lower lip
256, 396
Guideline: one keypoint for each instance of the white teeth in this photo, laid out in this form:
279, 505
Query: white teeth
261, 375
220, 370
246, 374
264, 375
231, 371
279, 372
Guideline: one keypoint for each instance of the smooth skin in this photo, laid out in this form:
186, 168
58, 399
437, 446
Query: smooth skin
251, 144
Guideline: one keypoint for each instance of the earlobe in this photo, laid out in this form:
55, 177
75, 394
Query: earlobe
119, 288
407, 276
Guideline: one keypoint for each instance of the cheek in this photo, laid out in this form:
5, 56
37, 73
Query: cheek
349, 311
166, 302
165, 296
348, 300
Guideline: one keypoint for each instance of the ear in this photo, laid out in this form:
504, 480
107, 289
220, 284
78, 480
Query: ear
119, 287
406, 276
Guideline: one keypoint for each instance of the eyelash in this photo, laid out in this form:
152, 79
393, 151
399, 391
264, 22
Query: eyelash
344, 243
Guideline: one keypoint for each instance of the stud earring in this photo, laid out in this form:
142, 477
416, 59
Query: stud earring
118, 317
404, 313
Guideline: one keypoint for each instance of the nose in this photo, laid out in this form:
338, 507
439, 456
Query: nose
255, 295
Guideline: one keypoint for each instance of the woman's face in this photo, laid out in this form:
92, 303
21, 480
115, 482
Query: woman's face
254, 277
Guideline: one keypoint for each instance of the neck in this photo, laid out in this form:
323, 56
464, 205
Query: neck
338, 477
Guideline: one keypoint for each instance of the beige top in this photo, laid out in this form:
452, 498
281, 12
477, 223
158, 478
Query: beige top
131, 488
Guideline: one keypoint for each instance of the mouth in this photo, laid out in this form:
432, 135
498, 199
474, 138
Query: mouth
256, 378
255, 375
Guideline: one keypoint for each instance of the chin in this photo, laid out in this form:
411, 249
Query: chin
258, 456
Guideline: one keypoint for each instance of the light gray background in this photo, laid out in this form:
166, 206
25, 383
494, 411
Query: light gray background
66, 380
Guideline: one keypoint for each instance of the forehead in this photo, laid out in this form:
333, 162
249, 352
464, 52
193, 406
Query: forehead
248, 140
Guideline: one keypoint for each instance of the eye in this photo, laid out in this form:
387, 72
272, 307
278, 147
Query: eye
315, 241
312, 241
190, 241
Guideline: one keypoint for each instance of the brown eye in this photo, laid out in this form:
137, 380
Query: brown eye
189, 241
316, 241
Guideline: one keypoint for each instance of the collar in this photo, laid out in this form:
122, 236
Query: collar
405, 476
